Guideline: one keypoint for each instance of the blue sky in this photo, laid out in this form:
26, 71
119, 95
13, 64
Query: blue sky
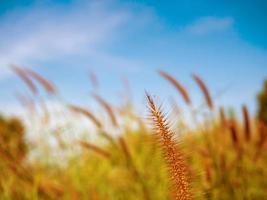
224, 42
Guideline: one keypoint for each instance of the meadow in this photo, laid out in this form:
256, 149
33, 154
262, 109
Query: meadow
192, 153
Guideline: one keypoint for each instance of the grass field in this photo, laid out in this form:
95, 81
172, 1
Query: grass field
210, 155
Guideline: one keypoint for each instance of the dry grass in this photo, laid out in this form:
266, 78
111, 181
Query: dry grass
108, 108
21, 72
87, 113
173, 156
221, 158
96, 149
45, 83
222, 116
204, 89
247, 126
179, 87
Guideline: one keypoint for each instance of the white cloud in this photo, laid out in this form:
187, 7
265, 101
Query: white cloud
208, 25
44, 33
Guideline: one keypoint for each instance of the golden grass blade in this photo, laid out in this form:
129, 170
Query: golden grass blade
204, 89
50, 189
95, 148
207, 170
262, 129
132, 167
108, 137
179, 87
108, 109
247, 126
24, 77
234, 133
173, 156
262, 140
86, 113
125, 149
128, 156
222, 116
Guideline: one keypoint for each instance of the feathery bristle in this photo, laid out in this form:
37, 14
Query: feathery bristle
204, 89
173, 156
179, 87
86, 113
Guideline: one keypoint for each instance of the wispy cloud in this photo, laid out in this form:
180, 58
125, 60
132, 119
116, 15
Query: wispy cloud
209, 25
44, 33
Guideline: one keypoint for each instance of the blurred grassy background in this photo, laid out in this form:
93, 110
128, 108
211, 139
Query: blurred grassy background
119, 157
